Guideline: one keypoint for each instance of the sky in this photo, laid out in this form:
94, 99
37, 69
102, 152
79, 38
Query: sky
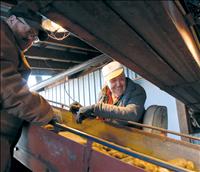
32, 80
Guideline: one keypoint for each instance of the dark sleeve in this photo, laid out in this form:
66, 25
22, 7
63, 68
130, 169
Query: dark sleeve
15, 96
132, 111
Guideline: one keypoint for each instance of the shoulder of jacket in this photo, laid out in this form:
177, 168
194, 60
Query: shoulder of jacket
7, 40
6, 33
134, 87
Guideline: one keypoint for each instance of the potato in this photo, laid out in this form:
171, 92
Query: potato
180, 162
161, 169
190, 165
150, 167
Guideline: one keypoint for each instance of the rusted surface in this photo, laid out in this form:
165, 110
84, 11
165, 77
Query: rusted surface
41, 150
54, 152
30, 161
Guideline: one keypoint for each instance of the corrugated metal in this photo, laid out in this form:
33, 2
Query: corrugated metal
98, 83
62, 94
67, 95
92, 88
81, 91
84, 89
71, 91
54, 95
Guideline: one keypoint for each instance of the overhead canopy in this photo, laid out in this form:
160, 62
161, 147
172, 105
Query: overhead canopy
140, 34
146, 36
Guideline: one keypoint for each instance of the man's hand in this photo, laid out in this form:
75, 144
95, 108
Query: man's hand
57, 118
74, 107
84, 112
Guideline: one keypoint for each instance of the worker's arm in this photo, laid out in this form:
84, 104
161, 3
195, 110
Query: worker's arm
15, 97
131, 112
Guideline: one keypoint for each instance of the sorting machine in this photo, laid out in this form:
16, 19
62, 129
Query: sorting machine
68, 147
151, 38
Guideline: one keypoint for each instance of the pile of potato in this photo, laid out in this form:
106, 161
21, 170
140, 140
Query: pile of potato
180, 162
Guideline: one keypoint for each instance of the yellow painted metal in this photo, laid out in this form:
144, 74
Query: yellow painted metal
157, 146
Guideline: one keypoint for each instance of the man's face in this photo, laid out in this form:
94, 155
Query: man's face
117, 85
24, 33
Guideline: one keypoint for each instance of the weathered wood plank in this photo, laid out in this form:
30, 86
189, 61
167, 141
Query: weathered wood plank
103, 23
162, 38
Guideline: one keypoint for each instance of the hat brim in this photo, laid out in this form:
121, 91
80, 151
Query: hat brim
114, 74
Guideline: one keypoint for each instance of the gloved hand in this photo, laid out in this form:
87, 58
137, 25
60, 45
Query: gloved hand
74, 107
85, 112
57, 118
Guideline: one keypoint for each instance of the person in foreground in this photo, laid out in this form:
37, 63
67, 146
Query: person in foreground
17, 103
121, 98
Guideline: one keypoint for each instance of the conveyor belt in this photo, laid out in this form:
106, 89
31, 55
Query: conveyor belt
43, 150
152, 145
122, 149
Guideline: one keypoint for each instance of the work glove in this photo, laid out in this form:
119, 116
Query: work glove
85, 112
57, 118
74, 107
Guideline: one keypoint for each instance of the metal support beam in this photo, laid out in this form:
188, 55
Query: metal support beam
51, 53
98, 60
72, 42
35, 71
49, 64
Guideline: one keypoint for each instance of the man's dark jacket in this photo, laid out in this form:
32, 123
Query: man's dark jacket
130, 106
17, 103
